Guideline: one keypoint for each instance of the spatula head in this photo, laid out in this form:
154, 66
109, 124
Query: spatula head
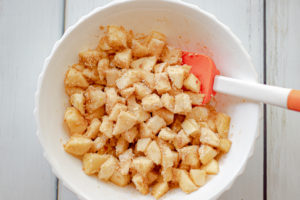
204, 68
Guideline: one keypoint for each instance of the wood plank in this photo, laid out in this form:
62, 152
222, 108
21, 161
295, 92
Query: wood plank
28, 32
249, 30
64, 193
283, 69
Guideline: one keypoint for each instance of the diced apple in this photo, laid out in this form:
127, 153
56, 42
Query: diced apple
91, 162
159, 189
198, 176
153, 153
222, 123
78, 145
125, 121
183, 104
189, 156
212, 167
181, 140
206, 153
184, 180
209, 137
225, 145
192, 83
176, 75
190, 127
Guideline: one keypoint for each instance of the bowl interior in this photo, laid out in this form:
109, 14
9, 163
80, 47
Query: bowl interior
186, 27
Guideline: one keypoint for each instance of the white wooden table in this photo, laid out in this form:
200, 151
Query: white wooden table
269, 30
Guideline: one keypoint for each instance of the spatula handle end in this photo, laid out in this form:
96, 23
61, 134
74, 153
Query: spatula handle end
278, 96
293, 101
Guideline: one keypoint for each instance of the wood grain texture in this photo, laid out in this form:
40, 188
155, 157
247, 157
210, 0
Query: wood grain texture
245, 18
283, 69
28, 31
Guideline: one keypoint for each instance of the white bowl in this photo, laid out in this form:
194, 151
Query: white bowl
187, 27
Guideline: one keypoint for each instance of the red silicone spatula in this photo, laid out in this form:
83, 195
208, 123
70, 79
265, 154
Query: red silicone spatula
205, 70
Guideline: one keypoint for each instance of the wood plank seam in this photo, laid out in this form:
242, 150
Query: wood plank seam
265, 106
64, 18
62, 32
57, 189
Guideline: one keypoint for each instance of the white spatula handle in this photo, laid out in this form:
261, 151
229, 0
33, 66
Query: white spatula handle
278, 96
